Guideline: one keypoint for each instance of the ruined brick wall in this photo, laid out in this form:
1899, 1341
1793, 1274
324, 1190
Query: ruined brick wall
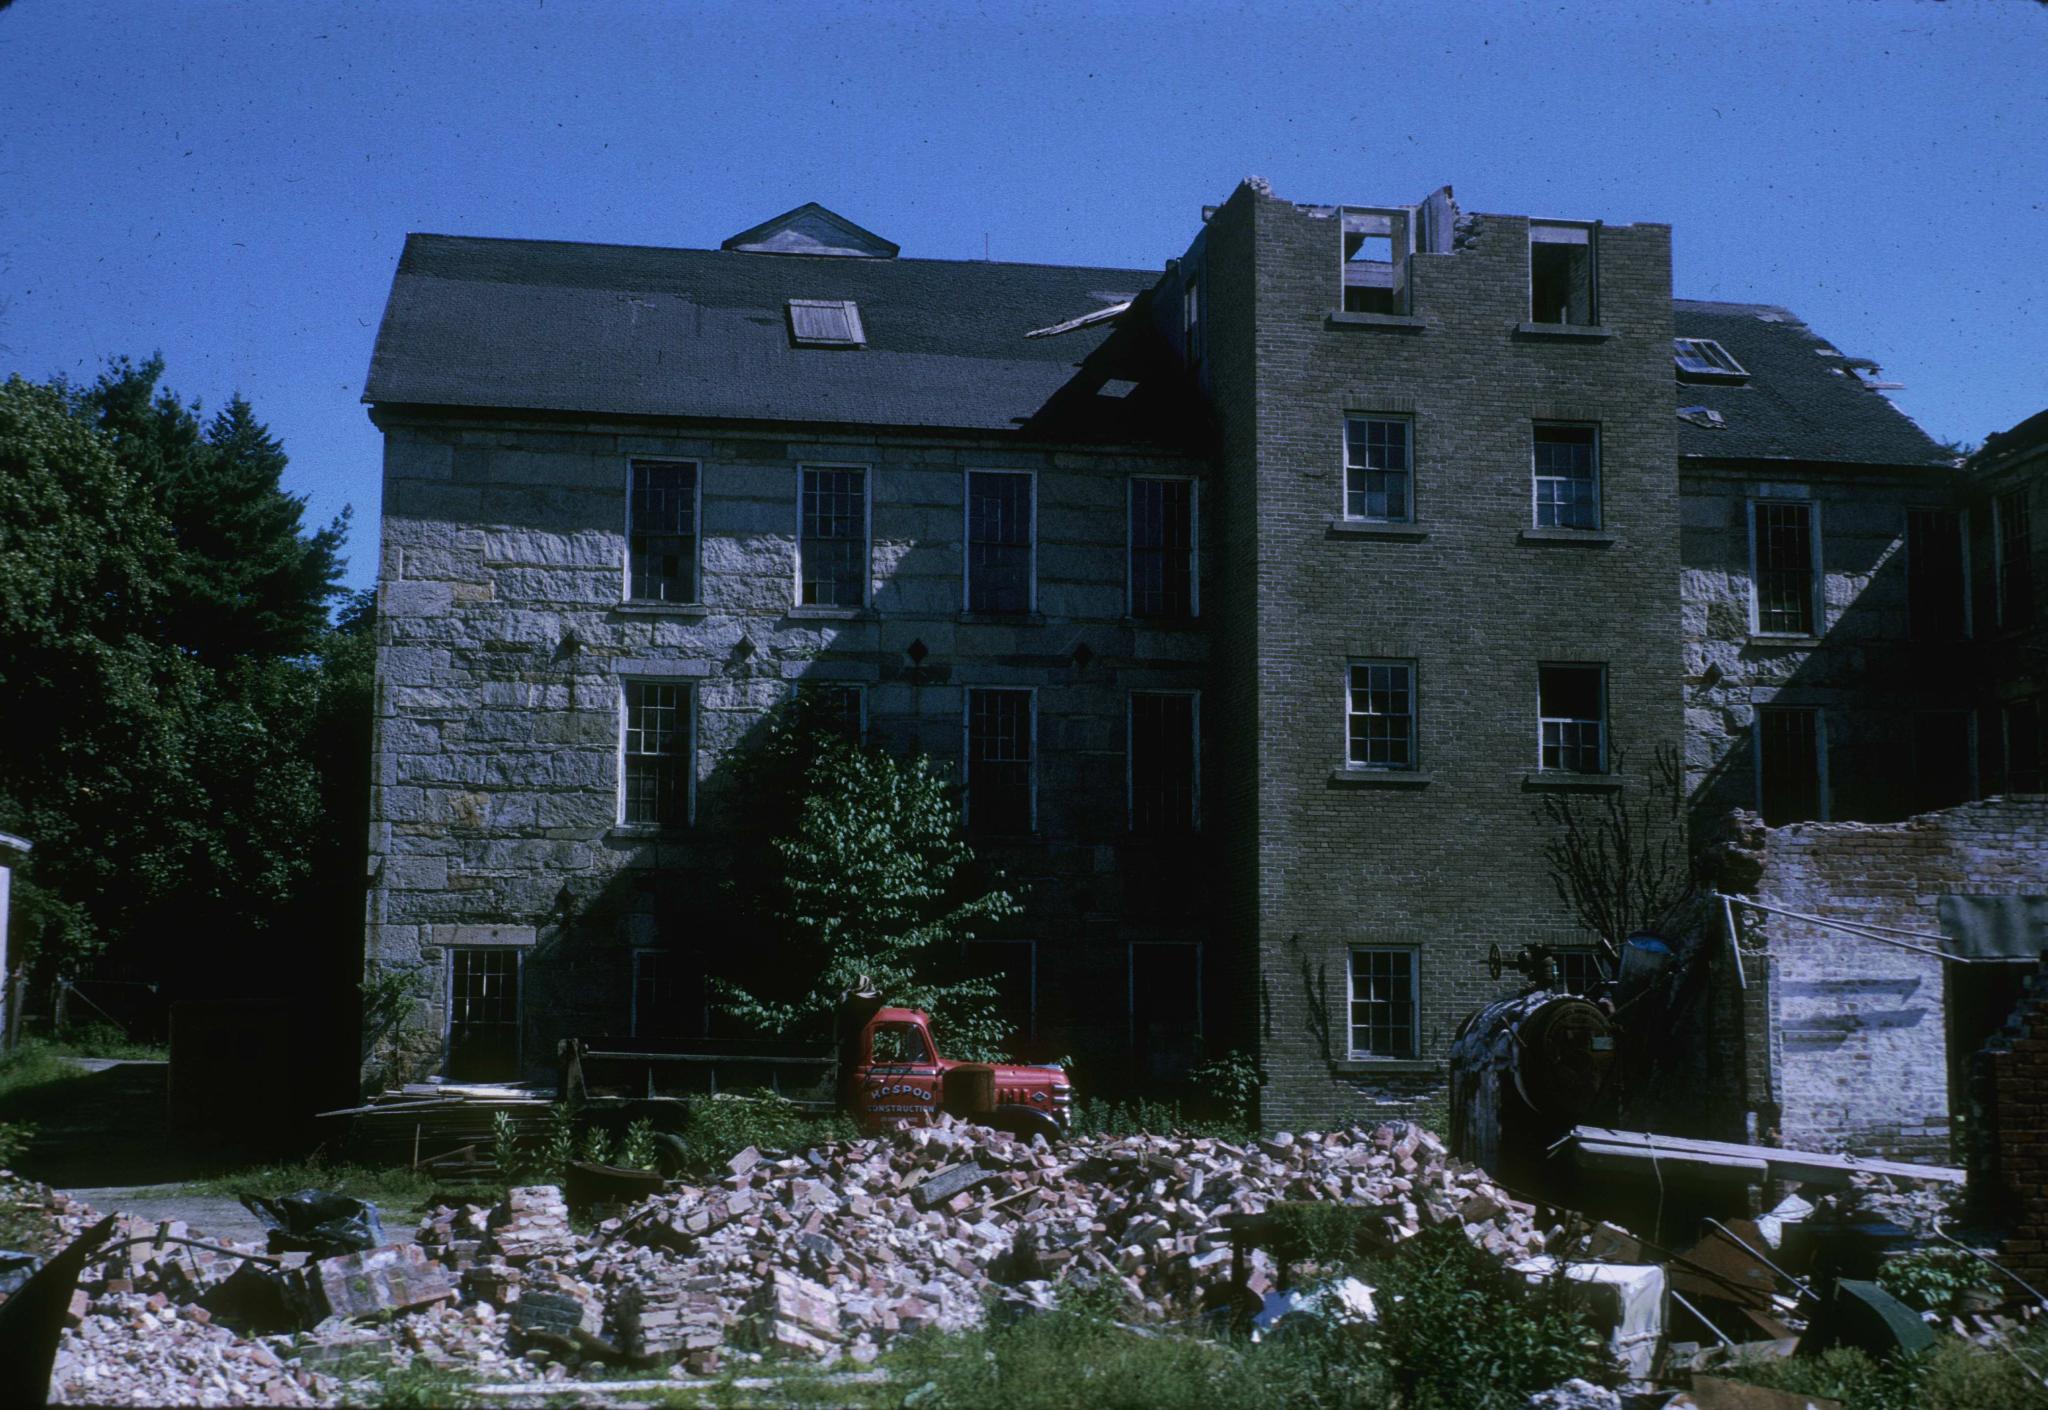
503, 642
1859, 1027
1449, 859
1861, 669
2009, 1134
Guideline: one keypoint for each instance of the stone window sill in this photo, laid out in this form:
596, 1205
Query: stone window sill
1374, 530
1580, 538
1392, 322
1797, 643
646, 832
662, 609
1381, 778
1003, 619
1570, 332
812, 612
1166, 624
1558, 781
1367, 1066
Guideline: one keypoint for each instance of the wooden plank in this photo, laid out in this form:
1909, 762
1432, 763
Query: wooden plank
1807, 1167
1670, 1165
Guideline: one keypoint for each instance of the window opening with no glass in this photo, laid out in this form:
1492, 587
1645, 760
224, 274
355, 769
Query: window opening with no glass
1572, 707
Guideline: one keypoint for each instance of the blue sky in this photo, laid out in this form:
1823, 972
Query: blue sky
231, 183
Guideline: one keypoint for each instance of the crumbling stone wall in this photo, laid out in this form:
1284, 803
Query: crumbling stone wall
1859, 1028
2009, 1134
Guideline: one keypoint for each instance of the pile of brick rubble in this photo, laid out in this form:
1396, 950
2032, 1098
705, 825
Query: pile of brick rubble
818, 1253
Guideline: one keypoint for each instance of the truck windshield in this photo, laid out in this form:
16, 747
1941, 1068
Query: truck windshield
898, 1042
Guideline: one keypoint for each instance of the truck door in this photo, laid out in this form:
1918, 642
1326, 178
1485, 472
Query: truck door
900, 1080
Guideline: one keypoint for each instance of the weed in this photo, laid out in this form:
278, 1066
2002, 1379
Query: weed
35, 1062
1953, 1374
421, 1385
721, 1127
1941, 1280
104, 1040
15, 1139
636, 1148
387, 1187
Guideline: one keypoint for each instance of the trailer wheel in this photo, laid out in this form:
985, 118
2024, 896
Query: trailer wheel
671, 1154
1024, 1121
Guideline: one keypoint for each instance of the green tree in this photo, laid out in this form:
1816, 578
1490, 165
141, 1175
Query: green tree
867, 879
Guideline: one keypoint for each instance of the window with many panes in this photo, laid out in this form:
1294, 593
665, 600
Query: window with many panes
2015, 566
999, 759
1379, 468
2020, 724
1162, 548
1788, 765
1783, 553
1382, 1002
1934, 574
1571, 709
832, 538
999, 541
661, 531
655, 753
1579, 971
1379, 715
1567, 477
1162, 744
832, 706
483, 1014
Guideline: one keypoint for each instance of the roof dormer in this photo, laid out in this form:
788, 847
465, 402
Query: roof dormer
810, 229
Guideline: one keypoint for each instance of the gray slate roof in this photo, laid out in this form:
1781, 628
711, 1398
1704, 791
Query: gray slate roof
1795, 405
624, 330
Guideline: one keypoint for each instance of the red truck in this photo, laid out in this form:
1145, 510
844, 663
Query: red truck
883, 1070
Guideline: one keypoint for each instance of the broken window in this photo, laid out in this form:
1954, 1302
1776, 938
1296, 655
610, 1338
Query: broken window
2021, 726
1382, 1002
1706, 359
1941, 759
1571, 706
1788, 766
1376, 250
1162, 743
1378, 468
898, 1045
1567, 476
833, 707
656, 751
2014, 543
1013, 966
1379, 715
1562, 274
1162, 548
1934, 574
832, 540
483, 1014
1579, 971
1784, 550
1166, 1008
661, 532
999, 547
999, 774
825, 323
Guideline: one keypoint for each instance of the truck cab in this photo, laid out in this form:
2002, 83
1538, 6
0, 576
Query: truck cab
891, 1074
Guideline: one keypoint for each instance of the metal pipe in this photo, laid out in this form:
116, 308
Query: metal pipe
1865, 931
1737, 1240
1679, 1298
195, 1243
2031, 1289
1734, 942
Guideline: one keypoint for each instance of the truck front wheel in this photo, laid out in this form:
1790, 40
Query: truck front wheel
1024, 1121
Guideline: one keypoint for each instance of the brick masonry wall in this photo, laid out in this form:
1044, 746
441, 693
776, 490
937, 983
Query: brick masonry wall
1861, 1053
1861, 669
2009, 1135
503, 643
1453, 864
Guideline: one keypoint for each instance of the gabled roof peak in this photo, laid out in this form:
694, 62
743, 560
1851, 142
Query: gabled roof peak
810, 229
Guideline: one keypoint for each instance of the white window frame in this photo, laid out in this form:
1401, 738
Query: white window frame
1817, 608
1414, 714
967, 750
1824, 801
1706, 358
1131, 986
1351, 1000
1344, 478
688, 686
1194, 761
1131, 544
967, 541
857, 338
1599, 477
1566, 232
867, 531
1031, 969
1605, 721
696, 537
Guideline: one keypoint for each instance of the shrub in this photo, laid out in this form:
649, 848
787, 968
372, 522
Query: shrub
1953, 1374
1935, 1279
15, 1139
722, 1126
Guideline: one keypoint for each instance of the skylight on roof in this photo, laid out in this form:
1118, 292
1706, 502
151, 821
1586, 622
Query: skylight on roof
1703, 357
825, 323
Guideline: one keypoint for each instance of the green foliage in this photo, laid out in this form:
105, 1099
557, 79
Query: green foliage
1953, 1374
1457, 1331
636, 1147
392, 1187
1936, 1279
419, 1384
595, 1146
557, 1142
1325, 1232
1102, 1117
854, 868
34, 1062
1229, 1085
721, 1127
505, 1151
15, 1139
104, 1040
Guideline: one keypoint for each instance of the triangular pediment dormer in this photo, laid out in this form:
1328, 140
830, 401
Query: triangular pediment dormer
810, 229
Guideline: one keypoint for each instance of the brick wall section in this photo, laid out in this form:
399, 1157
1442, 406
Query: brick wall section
503, 643
2009, 1136
1859, 1027
1453, 865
